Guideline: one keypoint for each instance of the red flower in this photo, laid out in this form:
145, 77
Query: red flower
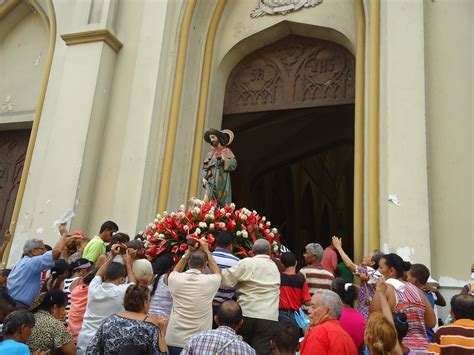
174, 249
210, 239
183, 246
152, 250
173, 234
231, 226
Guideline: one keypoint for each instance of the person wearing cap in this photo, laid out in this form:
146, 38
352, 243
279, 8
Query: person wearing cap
219, 162
77, 270
316, 276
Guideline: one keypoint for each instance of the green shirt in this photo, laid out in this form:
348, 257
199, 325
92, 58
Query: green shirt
94, 249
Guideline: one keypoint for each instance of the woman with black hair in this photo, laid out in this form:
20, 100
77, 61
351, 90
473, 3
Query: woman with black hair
16, 330
407, 298
161, 300
130, 329
364, 271
49, 333
351, 320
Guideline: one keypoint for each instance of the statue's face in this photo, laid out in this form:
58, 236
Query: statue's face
214, 140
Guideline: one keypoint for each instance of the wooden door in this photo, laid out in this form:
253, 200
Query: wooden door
13, 145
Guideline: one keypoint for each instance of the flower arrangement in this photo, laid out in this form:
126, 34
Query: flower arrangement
169, 231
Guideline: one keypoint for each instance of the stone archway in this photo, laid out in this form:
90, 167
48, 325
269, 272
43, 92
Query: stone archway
291, 105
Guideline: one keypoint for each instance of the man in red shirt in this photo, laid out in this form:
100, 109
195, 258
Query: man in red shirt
326, 335
294, 291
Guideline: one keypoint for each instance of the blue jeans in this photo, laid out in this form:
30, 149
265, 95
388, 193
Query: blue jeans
174, 350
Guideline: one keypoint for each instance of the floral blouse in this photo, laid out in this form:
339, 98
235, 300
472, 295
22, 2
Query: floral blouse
118, 334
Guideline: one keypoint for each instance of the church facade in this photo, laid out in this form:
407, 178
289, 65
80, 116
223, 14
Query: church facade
350, 117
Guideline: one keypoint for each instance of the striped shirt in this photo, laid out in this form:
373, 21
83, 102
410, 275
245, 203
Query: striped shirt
317, 277
224, 259
454, 339
66, 289
410, 302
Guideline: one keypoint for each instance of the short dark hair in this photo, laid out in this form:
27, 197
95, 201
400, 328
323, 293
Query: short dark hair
114, 271
135, 298
288, 259
224, 239
90, 276
229, 313
286, 337
119, 238
462, 307
198, 259
109, 225
347, 294
420, 272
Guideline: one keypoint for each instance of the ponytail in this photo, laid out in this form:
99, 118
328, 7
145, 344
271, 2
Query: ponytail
13, 322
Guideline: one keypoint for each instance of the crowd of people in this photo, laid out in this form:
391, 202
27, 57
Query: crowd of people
106, 296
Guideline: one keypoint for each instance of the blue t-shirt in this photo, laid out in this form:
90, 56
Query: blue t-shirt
431, 299
12, 347
24, 280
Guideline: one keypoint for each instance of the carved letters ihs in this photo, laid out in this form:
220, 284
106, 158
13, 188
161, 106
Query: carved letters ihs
291, 73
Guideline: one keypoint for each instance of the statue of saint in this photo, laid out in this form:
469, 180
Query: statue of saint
219, 162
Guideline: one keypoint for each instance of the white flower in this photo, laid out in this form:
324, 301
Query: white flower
196, 210
227, 214
222, 210
245, 234
244, 217
197, 231
158, 216
185, 228
268, 224
239, 233
264, 218
211, 226
260, 225
274, 231
181, 207
156, 234
156, 220
222, 224
247, 212
232, 205
202, 224
275, 248
161, 235
254, 212
152, 226
173, 214
271, 235
165, 213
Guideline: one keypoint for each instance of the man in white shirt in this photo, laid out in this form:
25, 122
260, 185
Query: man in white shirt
105, 295
257, 284
192, 293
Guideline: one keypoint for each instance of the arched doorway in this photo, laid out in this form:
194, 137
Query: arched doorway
291, 107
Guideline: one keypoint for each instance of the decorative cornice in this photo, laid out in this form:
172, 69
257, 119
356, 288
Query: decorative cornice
6, 6
102, 35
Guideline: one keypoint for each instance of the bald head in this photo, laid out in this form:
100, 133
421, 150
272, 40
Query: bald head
229, 314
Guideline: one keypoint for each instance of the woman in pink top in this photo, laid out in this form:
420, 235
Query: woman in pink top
351, 320
407, 298
78, 305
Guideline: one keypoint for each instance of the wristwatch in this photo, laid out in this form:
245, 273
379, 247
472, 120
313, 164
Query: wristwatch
185, 257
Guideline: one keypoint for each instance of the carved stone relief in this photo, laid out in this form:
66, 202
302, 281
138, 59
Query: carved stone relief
281, 7
13, 146
293, 72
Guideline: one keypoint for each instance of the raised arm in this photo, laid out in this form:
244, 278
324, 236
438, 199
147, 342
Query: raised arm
128, 261
337, 242
61, 243
103, 268
210, 259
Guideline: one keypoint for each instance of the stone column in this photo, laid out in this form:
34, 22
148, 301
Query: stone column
403, 153
69, 139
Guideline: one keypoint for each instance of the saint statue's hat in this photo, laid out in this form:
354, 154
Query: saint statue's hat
226, 136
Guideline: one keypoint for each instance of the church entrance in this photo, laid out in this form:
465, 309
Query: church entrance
291, 107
